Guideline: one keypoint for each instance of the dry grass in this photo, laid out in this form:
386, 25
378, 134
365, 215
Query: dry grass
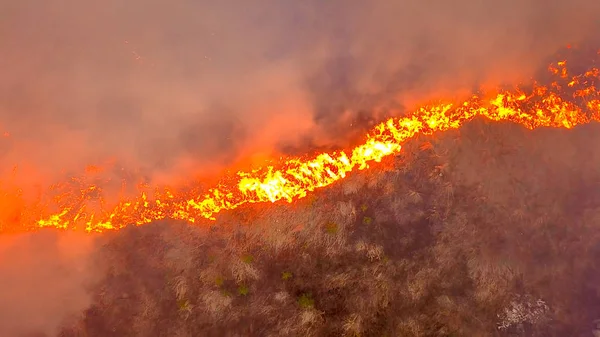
440, 246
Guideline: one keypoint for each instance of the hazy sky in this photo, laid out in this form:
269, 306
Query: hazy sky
174, 86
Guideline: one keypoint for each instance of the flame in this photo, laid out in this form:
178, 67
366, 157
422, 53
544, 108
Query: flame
567, 102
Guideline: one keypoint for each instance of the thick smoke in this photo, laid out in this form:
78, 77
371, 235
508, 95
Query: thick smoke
44, 277
175, 88
184, 87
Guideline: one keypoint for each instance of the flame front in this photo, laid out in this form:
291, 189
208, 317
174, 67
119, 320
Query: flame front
567, 102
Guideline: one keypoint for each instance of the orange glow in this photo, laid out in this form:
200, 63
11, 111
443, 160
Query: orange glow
79, 203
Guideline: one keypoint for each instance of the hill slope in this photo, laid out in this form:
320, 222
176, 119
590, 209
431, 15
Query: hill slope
491, 230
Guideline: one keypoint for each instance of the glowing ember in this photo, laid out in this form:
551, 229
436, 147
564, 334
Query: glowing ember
568, 102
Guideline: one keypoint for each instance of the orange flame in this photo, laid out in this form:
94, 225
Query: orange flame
539, 106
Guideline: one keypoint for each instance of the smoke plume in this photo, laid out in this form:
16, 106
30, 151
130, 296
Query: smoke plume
44, 280
180, 88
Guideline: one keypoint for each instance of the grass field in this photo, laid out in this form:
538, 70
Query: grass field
491, 230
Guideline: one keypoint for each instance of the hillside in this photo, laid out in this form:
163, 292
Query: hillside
491, 230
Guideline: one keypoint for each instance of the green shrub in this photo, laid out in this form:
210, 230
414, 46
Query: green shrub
247, 259
243, 290
331, 228
305, 301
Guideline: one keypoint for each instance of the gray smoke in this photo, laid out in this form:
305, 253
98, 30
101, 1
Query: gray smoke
44, 277
175, 88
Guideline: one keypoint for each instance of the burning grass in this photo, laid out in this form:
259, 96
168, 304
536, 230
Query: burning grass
463, 238
487, 229
567, 100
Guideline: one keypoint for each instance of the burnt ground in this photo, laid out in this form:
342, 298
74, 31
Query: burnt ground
491, 230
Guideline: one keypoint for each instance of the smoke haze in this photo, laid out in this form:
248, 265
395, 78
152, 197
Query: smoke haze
175, 88
44, 279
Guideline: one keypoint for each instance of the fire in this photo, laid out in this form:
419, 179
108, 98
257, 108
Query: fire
565, 103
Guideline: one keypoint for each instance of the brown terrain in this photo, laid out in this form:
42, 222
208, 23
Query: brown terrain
491, 230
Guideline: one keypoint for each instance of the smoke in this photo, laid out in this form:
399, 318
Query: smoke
175, 88
44, 280
186, 87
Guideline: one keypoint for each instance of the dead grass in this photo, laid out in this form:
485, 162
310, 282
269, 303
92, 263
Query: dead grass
440, 246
